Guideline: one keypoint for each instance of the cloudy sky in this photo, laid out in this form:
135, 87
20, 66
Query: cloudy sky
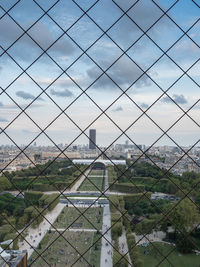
103, 69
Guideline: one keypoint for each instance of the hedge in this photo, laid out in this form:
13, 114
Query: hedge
114, 203
133, 198
115, 217
49, 201
133, 251
32, 197
116, 230
52, 187
143, 179
127, 188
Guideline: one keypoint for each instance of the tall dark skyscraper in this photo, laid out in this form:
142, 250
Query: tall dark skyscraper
92, 140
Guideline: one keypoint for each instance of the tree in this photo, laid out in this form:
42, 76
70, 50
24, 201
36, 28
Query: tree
197, 199
185, 215
144, 227
173, 188
185, 244
4, 184
184, 218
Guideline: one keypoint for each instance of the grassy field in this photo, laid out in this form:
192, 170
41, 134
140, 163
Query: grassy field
81, 196
96, 172
98, 184
69, 218
66, 250
152, 257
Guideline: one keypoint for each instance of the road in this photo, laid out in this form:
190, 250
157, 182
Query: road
106, 247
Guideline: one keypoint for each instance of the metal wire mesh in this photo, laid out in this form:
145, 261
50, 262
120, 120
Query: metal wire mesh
101, 72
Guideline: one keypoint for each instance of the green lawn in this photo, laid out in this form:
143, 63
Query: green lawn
152, 257
69, 217
66, 250
81, 196
98, 184
96, 172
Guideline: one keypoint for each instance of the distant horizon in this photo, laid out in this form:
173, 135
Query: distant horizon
134, 94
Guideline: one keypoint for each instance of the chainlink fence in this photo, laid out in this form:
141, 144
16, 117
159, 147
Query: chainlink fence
105, 213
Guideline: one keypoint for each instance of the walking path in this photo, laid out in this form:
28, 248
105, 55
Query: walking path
73, 230
123, 246
156, 236
79, 182
106, 248
100, 176
34, 236
78, 192
106, 182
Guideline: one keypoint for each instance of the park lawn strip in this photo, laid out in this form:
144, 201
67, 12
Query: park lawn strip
97, 172
62, 250
96, 184
71, 218
81, 197
151, 256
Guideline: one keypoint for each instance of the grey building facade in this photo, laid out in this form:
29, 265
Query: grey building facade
92, 140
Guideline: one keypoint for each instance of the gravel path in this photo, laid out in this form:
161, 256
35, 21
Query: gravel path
123, 246
156, 236
79, 182
106, 248
34, 236
100, 176
106, 182
73, 230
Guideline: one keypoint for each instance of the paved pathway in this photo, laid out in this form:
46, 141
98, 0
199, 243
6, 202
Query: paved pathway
156, 236
79, 182
106, 248
73, 230
106, 182
123, 246
78, 192
34, 236
100, 176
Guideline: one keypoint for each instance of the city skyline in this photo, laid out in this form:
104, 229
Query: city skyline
82, 74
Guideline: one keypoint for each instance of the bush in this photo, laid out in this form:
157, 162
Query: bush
14, 237
4, 184
127, 188
115, 217
4, 230
145, 227
34, 215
